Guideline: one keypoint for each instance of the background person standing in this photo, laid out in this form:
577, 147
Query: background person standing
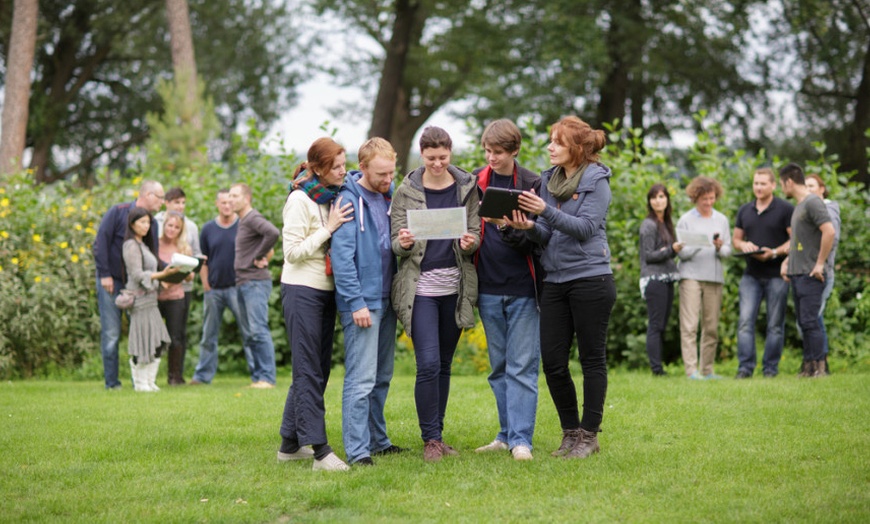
254, 247
762, 225
108, 247
218, 241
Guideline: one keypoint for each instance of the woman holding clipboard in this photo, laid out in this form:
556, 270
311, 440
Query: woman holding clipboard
435, 289
170, 300
578, 292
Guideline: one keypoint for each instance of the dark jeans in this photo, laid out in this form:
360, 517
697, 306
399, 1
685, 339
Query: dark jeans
435, 337
309, 318
659, 300
807, 292
580, 307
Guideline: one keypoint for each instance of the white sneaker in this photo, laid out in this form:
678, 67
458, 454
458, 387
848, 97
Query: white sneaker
330, 462
521, 453
303, 453
262, 385
495, 445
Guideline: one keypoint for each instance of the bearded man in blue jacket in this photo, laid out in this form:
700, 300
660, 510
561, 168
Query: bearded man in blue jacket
363, 264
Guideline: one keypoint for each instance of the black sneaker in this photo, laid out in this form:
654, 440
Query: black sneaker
365, 461
743, 374
391, 450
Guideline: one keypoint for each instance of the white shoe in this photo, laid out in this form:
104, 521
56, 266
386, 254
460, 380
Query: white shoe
330, 462
262, 385
495, 445
303, 453
521, 453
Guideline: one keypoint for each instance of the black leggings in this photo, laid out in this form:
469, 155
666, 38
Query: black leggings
580, 307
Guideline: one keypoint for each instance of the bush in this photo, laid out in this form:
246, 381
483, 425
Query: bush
47, 288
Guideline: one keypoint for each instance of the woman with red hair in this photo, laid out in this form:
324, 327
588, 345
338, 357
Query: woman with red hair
578, 292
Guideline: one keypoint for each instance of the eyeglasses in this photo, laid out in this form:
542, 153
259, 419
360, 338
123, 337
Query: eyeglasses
159, 197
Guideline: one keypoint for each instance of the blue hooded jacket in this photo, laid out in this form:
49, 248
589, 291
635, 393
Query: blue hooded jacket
573, 233
356, 254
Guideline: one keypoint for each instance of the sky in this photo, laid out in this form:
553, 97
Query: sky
300, 126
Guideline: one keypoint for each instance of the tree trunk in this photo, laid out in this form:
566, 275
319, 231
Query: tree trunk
22, 47
625, 42
855, 154
183, 58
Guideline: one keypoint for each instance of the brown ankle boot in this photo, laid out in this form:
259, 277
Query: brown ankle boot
569, 438
820, 369
806, 369
586, 445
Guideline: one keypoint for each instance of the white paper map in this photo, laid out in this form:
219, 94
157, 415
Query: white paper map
434, 224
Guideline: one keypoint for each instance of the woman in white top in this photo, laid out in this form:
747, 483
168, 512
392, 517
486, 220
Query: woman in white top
312, 214
702, 276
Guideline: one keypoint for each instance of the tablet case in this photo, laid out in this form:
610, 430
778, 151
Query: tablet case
499, 202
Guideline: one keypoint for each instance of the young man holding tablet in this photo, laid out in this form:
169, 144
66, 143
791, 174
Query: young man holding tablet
508, 283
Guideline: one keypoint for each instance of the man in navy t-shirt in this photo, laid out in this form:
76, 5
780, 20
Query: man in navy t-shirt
218, 243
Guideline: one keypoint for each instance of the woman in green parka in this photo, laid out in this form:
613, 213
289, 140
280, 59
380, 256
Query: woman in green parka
435, 290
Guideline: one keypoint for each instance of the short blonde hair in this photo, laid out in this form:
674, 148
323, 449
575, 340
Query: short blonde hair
375, 147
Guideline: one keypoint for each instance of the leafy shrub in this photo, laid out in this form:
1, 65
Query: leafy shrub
47, 288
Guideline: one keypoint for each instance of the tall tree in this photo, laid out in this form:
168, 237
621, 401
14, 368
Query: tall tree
183, 56
98, 63
430, 52
17, 95
832, 73
648, 64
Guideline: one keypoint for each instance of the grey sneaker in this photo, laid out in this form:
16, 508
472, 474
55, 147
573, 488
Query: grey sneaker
330, 462
495, 445
586, 445
569, 438
303, 453
521, 453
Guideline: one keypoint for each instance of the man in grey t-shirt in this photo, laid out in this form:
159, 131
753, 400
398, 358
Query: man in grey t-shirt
254, 247
812, 236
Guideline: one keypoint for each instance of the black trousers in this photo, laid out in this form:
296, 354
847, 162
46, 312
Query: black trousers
659, 300
580, 307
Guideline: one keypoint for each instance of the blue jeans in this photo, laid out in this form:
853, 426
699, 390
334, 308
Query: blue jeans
368, 360
753, 290
110, 333
826, 294
215, 301
513, 339
807, 303
435, 337
254, 307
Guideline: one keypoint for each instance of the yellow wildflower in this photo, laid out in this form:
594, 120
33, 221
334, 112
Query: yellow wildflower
37, 279
74, 258
85, 207
78, 226
1, 269
37, 238
82, 250
4, 202
90, 230
137, 180
14, 260
4, 234
64, 245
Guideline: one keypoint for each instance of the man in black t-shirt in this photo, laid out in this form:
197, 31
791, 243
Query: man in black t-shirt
762, 234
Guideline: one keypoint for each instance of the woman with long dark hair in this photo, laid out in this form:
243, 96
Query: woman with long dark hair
312, 213
148, 334
658, 270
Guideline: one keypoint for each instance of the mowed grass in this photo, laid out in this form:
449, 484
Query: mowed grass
673, 450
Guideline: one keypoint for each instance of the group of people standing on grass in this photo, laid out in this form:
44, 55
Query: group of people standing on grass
784, 246
539, 277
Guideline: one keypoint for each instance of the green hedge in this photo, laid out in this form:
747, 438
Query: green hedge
47, 287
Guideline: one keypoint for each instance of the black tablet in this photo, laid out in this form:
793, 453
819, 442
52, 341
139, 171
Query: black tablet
499, 202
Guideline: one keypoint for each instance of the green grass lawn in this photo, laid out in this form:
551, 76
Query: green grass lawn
673, 450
